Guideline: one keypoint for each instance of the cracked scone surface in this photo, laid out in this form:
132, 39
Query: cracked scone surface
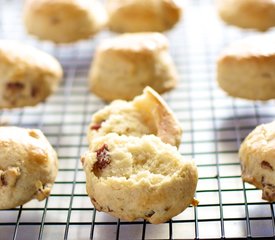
131, 177
124, 65
28, 166
255, 14
27, 75
143, 15
146, 114
246, 68
64, 21
257, 155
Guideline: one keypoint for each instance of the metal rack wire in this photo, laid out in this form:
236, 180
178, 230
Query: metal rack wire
214, 126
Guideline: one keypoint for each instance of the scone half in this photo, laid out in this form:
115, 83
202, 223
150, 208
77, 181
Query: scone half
124, 65
146, 114
131, 177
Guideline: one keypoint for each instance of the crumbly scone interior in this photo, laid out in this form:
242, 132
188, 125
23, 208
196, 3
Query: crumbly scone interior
142, 161
120, 117
146, 114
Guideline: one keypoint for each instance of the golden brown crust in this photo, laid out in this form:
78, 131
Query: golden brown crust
246, 68
28, 166
257, 14
123, 66
64, 21
158, 113
27, 75
143, 15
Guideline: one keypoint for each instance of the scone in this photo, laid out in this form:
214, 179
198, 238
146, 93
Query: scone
146, 114
28, 166
142, 15
27, 75
246, 68
123, 66
131, 177
64, 21
255, 14
257, 154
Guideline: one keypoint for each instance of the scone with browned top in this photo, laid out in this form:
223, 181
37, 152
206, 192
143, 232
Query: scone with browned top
257, 154
146, 114
64, 21
28, 166
27, 75
138, 177
124, 65
143, 15
255, 14
246, 68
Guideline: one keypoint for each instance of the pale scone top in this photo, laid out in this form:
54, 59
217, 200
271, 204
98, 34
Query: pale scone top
119, 117
22, 56
255, 14
223, 4
146, 114
50, 5
73, 8
64, 21
32, 141
28, 166
154, 4
136, 42
255, 46
158, 114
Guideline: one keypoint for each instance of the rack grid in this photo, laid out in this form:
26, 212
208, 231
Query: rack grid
214, 126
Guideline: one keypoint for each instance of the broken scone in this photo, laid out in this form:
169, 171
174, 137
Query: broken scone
146, 114
138, 177
28, 166
257, 155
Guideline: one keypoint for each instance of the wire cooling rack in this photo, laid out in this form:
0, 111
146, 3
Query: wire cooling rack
214, 125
